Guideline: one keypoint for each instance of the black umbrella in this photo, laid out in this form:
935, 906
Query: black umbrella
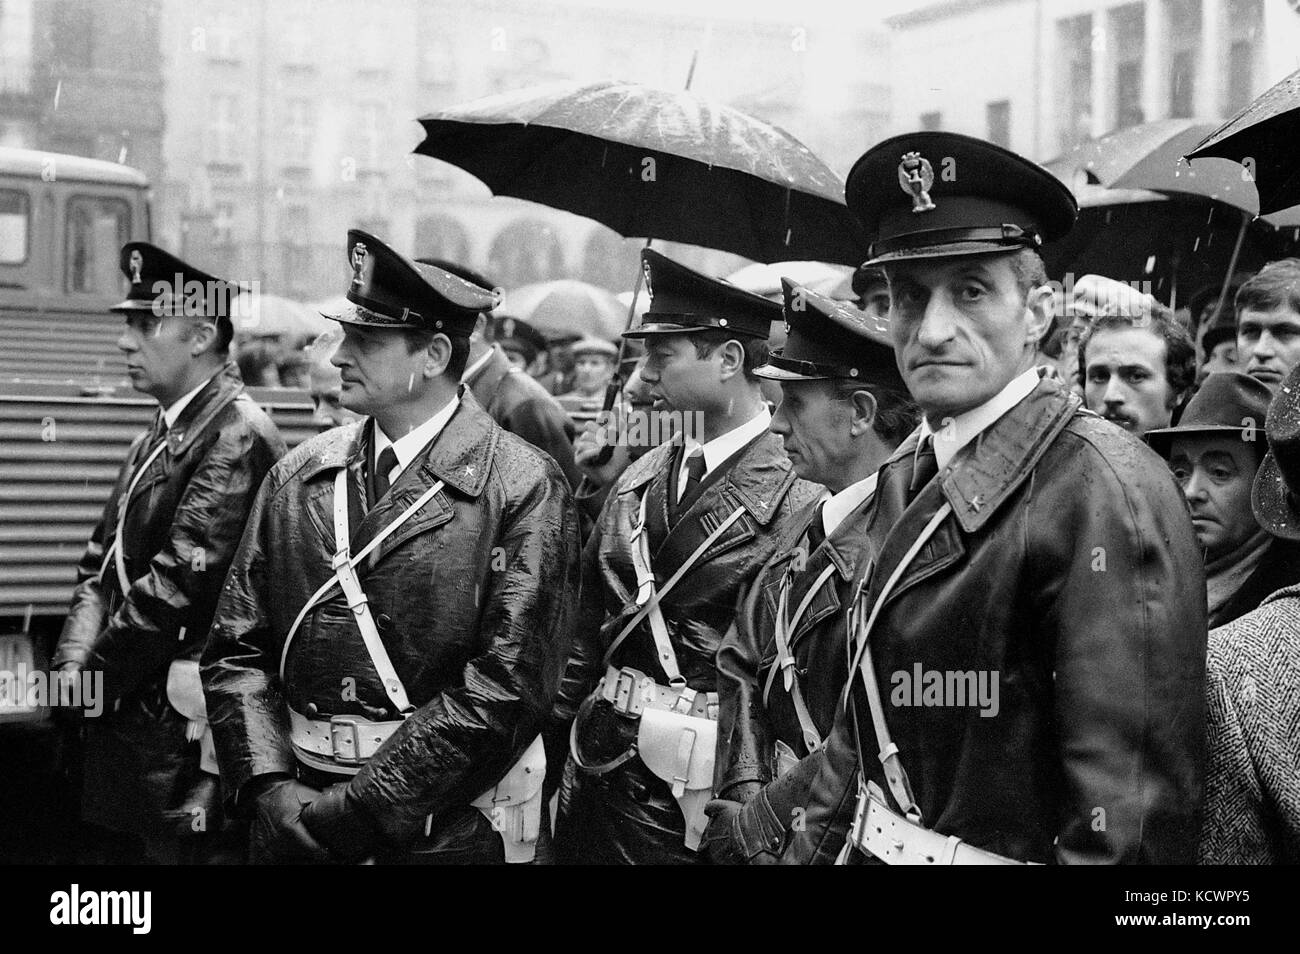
1263, 137
652, 163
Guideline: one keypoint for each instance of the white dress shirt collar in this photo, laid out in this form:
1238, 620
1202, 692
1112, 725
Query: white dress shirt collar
959, 431
723, 446
408, 446
172, 413
836, 507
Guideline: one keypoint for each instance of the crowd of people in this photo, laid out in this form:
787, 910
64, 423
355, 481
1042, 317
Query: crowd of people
964, 571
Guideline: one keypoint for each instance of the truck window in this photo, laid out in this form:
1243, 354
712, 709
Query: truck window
15, 217
98, 227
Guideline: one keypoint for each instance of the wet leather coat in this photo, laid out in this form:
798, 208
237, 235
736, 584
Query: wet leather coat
183, 523
629, 815
472, 598
1069, 568
524, 408
752, 718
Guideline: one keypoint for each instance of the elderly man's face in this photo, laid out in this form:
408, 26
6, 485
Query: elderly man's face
1125, 380
816, 429
1268, 344
1216, 474
962, 329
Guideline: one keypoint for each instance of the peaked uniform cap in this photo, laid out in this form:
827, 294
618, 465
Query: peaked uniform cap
166, 285
939, 194
684, 301
389, 290
827, 338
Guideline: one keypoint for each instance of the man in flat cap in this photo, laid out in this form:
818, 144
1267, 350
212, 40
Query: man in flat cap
781, 669
393, 628
593, 366
150, 578
1029, 638
684, 528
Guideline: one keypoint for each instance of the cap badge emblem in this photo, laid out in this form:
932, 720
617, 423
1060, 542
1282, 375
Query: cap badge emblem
136, 264
358, 263
645, 268
916, 177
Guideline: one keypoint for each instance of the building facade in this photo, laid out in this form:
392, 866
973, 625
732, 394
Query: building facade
1040, 76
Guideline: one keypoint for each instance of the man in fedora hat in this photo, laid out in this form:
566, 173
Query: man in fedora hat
781, 668
684, 528
1252, 789
149, 581
1028, 643
393, 628
1214, 453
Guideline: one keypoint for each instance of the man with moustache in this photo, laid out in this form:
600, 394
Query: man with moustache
684, 528
782, 667
393, 628
1137, 367
1017, 538
151, 575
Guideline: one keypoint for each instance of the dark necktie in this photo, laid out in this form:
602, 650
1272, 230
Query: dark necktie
694, 474
816, 529
157, 432
387, 461
927, 465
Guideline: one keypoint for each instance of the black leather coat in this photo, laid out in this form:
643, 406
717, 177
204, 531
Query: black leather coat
629, 815
525, 408
472, 597
752, 717
1069, 569
183, 523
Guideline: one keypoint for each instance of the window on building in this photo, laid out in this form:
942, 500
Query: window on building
1245, 35
223, 129
15, 226
1075, 40
298, 129
526, 250
441, 236
73, 23
932, 122
1127, 25
97, 228
998, 116
372, 132
223, 223
1183, 28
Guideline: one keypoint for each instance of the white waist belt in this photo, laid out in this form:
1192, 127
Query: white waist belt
883, 833
342, 744
631, 692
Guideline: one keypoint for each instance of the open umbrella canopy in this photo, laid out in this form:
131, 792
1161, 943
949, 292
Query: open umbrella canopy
1150, 156
820, 277
654, 164
566, 308
1263, 137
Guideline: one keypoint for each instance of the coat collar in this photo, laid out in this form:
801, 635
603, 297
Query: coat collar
757, 479
988, 470
460, 456
222, 388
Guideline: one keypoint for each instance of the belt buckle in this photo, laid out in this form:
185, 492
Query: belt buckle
341, 558
629, 693
858, 830
352, 725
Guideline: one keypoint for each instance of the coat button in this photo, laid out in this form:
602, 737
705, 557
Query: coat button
383, 621
313, 710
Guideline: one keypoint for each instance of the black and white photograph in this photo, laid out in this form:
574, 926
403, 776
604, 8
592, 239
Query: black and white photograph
594, 433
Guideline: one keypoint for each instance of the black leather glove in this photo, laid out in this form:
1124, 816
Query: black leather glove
754, 833
342, 824
278, 835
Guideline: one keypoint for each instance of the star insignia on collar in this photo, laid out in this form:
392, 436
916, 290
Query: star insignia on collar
469, 470
977, 503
